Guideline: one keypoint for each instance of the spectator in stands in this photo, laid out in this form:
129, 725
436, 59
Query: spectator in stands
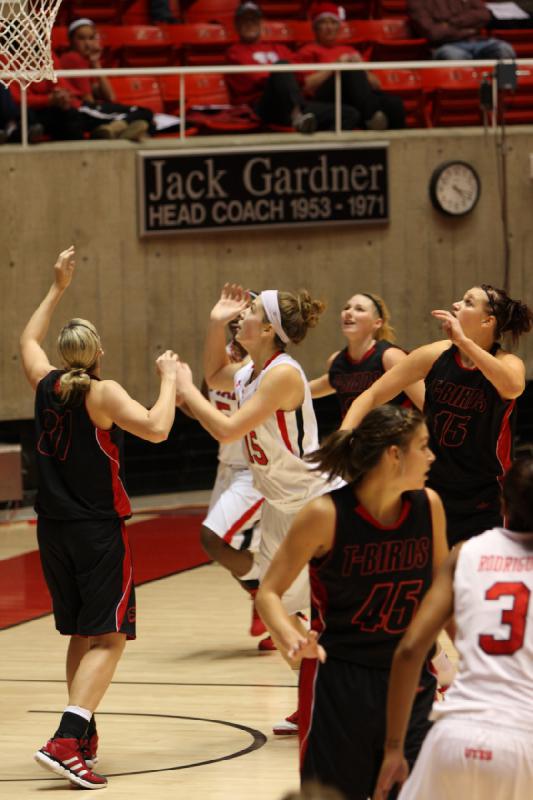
454, 29
360, 89
160, 12
102, 117
10, 120
275, 97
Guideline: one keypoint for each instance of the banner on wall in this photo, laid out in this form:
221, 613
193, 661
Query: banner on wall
242, 188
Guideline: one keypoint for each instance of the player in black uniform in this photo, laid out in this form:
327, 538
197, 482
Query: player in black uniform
81, 506
373, 547
370, 352
471, 387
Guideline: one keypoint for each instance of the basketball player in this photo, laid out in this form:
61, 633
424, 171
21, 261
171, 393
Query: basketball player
232, 521
481, 744
372, 548
471, 387
370, 352
81, 506
275, 416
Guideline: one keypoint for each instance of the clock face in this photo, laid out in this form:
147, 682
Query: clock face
455, 188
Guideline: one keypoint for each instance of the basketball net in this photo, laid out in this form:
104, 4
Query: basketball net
25, 40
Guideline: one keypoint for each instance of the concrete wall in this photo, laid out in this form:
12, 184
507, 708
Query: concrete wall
147, 295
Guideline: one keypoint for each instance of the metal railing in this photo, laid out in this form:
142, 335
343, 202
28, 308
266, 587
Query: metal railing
336, 67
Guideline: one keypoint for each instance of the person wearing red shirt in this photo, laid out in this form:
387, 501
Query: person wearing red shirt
95, 98
360, 90
275, 97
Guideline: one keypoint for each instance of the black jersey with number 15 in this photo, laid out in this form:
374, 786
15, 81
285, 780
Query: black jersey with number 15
351, 378
80, 465
366, 590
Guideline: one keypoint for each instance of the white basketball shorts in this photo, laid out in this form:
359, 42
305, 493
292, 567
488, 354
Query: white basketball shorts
234, 506
274, 527
472, 760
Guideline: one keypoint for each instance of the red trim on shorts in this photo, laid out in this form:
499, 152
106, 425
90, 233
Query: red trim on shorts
306, 702
504, 442
282, 425
228, 536
121, 501
127, 580
406, 508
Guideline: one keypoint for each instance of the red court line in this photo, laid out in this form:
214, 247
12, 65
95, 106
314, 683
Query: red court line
160, 546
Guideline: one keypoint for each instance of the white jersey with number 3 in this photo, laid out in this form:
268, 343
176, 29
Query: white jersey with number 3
493, 588
275, 447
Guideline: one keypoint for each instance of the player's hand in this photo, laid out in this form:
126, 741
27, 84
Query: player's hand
64, 268
166, 364
394, 770
451, 326
233, 301
306, 647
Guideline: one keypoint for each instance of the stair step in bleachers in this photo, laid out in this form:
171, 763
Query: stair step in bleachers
453, 96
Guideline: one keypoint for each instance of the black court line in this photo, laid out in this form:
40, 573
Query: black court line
161, 683
258, 740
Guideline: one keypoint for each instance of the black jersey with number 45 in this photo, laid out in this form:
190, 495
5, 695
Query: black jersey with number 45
470, 425
80, 465
366, 590
351, 378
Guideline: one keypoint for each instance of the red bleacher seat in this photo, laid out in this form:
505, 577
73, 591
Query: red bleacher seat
138, 91
358, 9
388, 40
221, 11
209, 107
390, 8
302, 32
520, 38
107, 11
407, 84
452, 96
202, 43
170, 93
279, 31
148, 46
517, 106
286, 9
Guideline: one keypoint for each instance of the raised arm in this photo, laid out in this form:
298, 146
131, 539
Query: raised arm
281, 389
435, 610
111, 401
218, 369
321, 387
505, 371
311, 535
414, 367
34, 360
417, 391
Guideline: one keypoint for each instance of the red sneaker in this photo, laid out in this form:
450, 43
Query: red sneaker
257, 626
89, 749
288, 726
266, 644
63, 756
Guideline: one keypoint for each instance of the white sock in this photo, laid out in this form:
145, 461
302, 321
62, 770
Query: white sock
81, 712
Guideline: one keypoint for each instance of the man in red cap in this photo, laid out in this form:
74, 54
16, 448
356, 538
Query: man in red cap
360, 90
275, 97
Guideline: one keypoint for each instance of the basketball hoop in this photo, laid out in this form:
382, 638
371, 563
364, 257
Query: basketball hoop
25, 40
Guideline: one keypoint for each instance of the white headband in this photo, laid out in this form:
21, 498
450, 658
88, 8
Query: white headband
78, 23
269, 299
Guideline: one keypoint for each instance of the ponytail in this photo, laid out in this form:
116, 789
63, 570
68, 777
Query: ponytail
79, 347
298, 313
352, 454
73, 384
512, 316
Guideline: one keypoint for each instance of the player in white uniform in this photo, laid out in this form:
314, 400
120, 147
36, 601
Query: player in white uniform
275, 415
232, 521
481, 745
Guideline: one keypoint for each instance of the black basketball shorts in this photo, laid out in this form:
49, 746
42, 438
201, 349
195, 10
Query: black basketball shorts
342, 709
88, 569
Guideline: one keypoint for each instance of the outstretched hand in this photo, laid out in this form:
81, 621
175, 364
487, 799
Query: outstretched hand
306, 647
64, 268
394, 770
233, 301
451, 326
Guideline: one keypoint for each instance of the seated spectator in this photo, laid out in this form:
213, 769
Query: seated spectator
160, 12
454, 28
360, 90
103, 118
275, 97
10, 128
